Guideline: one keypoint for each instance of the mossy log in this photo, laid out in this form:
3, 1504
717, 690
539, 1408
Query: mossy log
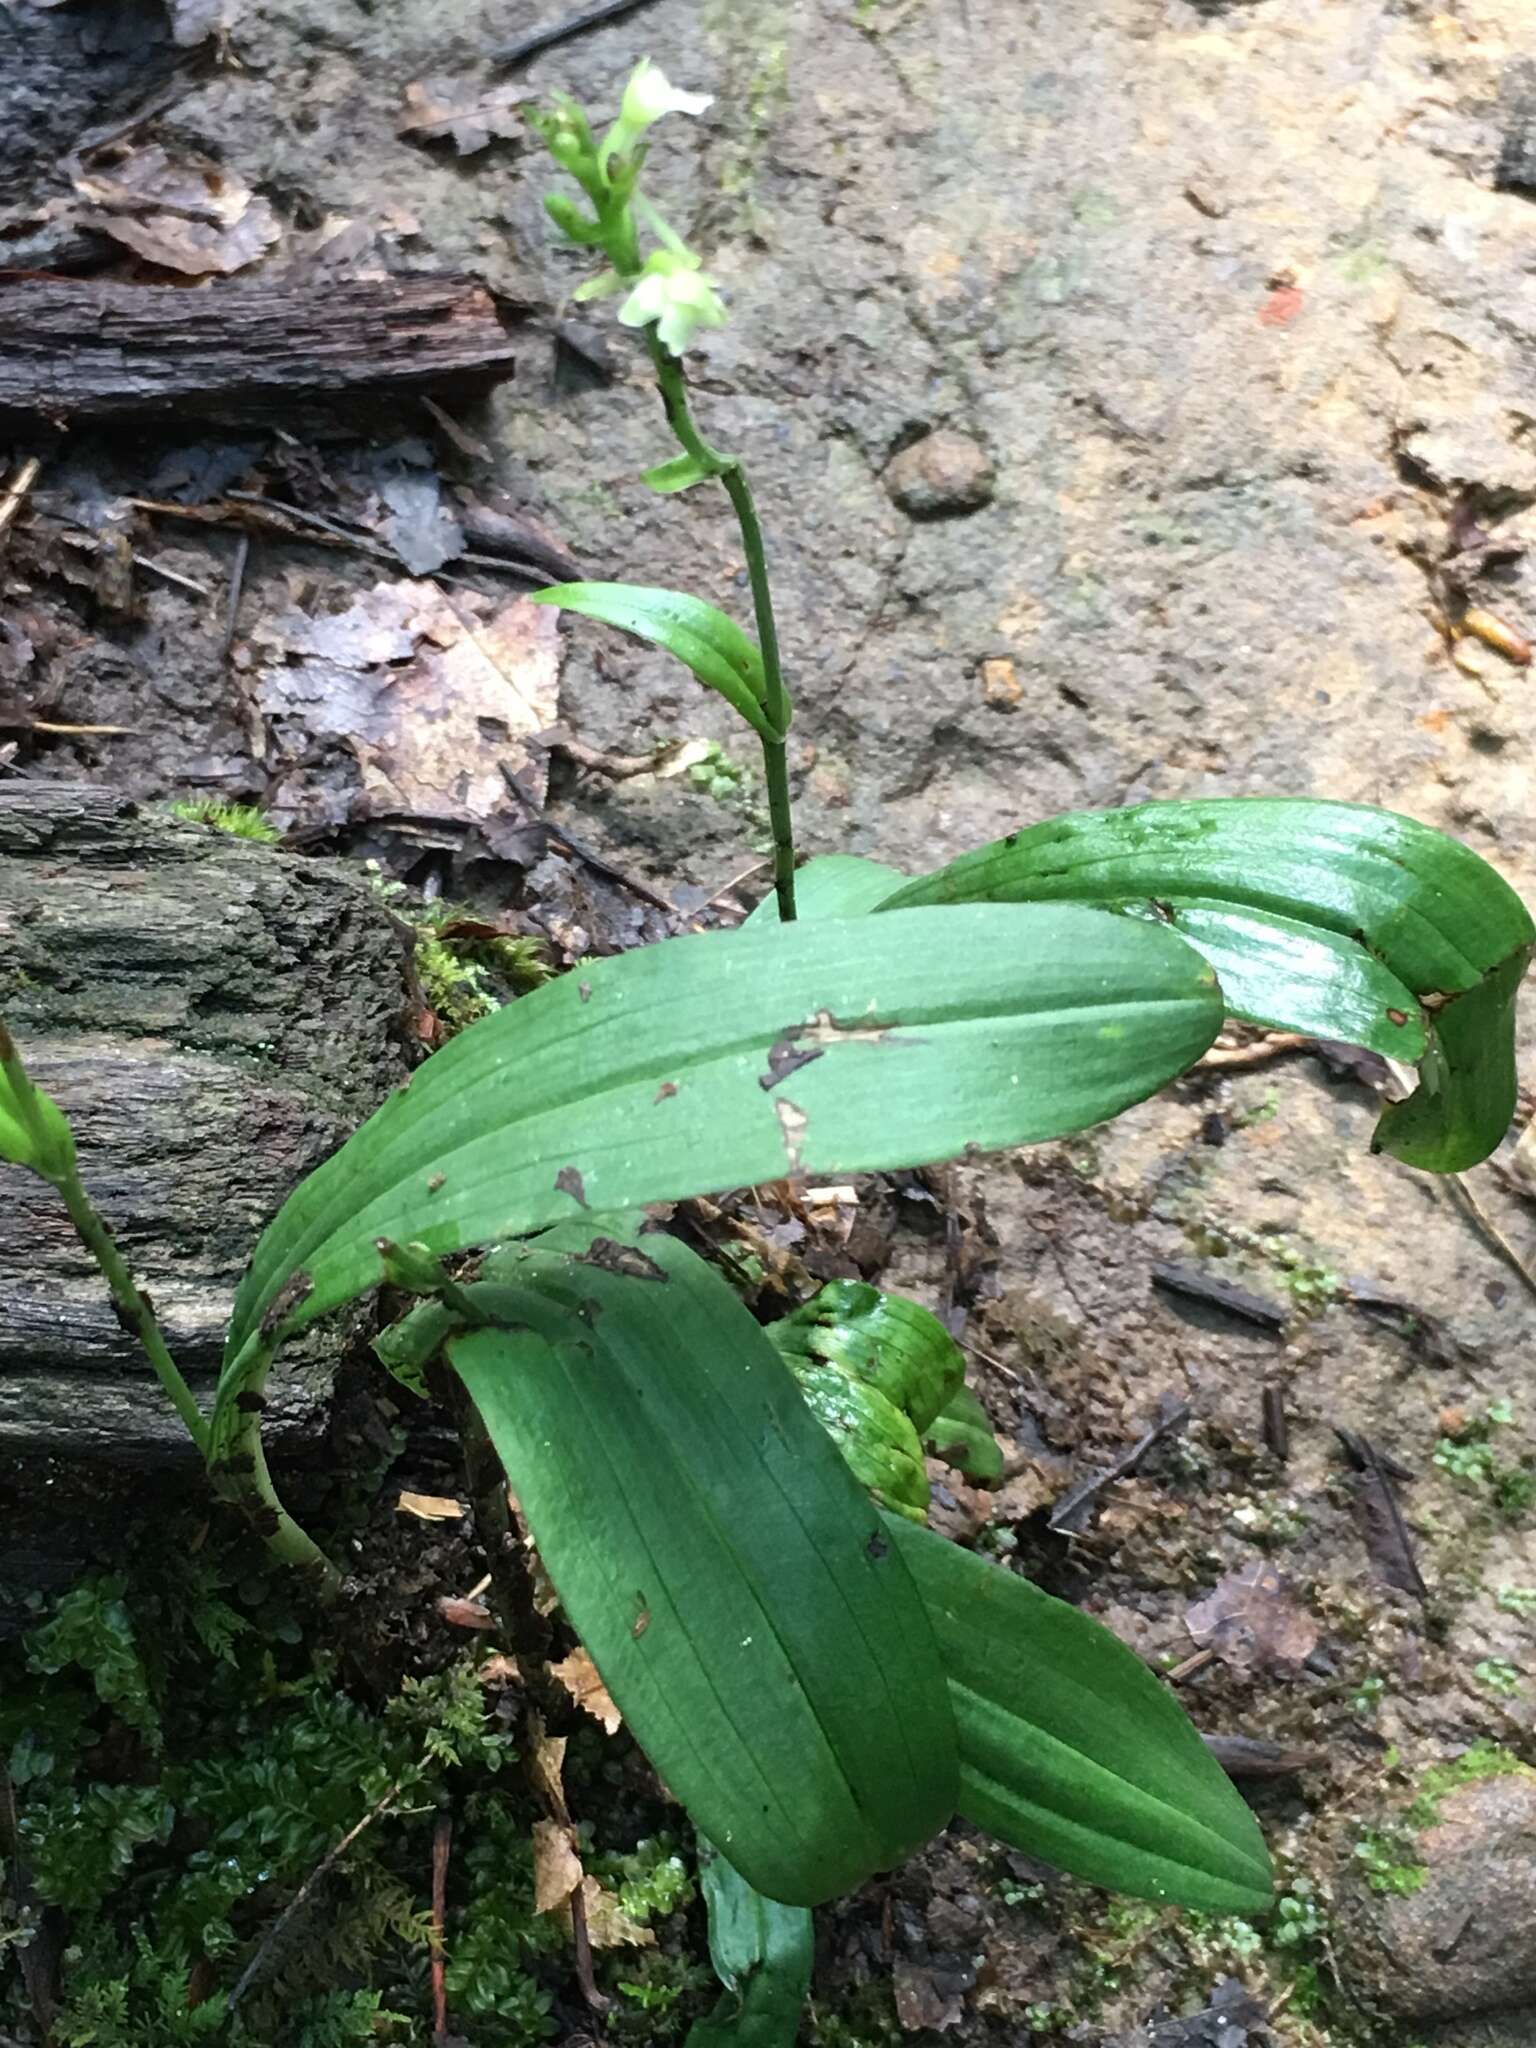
214, 1016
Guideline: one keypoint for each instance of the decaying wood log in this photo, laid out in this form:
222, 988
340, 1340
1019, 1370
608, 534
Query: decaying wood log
214, 1017
86, 350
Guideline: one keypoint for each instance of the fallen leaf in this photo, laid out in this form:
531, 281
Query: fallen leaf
608, 1925
465, 1613
187, 214
499, 1670
579, 1675
1252, 1620
920, 2005
437, 697
1281, 307
420, 529
556, 1866
546, 1767
445, 110
430, 1507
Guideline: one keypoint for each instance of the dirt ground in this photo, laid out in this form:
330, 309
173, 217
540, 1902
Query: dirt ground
1238, 305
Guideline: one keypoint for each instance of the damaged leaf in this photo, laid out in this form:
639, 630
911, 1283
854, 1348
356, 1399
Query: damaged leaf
1335, 920
452, 110
1001, 1025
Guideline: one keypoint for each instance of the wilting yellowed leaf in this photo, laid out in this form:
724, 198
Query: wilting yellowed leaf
579, 1675
556, 1866
430, 1507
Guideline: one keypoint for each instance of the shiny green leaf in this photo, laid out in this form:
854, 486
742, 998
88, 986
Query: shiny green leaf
878, 1443
714, 647
762, 1953
1332, 919
725, 1058
733, 1586
1070, 1749
962, 1436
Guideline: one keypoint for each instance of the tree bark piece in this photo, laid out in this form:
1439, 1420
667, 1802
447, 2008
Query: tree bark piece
88, 350
214, 1017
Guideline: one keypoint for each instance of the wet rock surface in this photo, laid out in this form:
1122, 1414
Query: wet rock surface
1463, 1941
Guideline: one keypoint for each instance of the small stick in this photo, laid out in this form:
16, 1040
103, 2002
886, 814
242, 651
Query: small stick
1190, 1666
442, 1839
562, 32
1492, 1232
236, 585
170, 575
1277, 1428
581, 1944
252, 1972
16, 490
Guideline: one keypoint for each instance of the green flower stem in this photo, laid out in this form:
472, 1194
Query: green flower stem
134, 1307
728, 468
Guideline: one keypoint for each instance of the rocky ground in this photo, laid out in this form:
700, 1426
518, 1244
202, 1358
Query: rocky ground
1132, 393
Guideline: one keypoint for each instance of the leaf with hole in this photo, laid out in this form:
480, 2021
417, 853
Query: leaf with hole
721, 1059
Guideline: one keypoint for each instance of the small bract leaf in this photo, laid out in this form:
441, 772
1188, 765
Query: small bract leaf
712, 646
676, 475
961, 1434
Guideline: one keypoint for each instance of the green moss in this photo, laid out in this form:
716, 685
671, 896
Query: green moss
182, 1763
1482, 1760
239, 821
1387, 1861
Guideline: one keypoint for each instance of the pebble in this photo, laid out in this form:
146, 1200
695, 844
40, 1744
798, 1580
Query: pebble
942, 476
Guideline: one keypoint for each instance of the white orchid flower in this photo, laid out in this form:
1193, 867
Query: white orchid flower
648, 95
673, 292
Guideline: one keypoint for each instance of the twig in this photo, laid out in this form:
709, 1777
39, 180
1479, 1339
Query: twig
1492, 1232
562, 32
585, 853
1190, 1666
1071, 1511
236, 585
734, 883
252, 1972
442, 1839
170, 575
581, 1945
16, 490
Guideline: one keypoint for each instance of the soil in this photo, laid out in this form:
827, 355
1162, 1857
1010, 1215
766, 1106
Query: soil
1216, 314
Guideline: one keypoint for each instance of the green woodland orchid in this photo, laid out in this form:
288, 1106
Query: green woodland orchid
733, 1513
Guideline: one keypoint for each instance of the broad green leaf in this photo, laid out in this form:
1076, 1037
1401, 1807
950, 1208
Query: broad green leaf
676, 475
714, 647
762, 1953
732, 1584
1071, 1750
1332, 919
725, 1058
962, 1436
834, 885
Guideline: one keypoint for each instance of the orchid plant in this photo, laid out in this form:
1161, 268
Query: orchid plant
734, 1516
